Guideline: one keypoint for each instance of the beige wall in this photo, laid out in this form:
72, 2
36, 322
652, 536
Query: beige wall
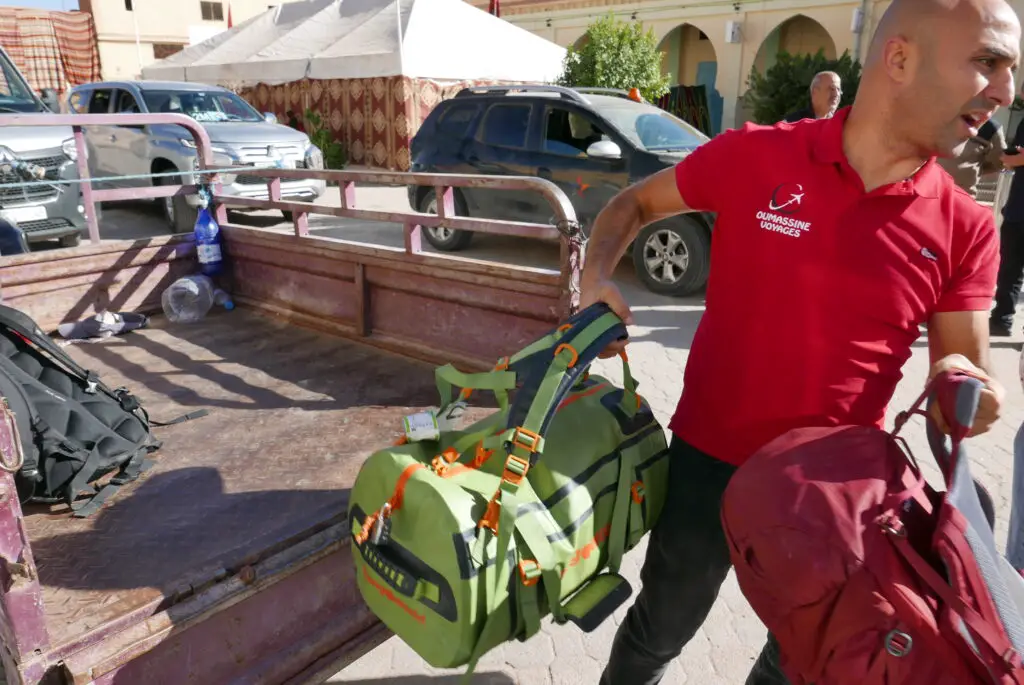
159, 22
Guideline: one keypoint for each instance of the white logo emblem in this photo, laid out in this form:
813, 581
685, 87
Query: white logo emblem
928, 254
785, 201
795, 198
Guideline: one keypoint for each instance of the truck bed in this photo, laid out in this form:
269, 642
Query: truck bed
293, 414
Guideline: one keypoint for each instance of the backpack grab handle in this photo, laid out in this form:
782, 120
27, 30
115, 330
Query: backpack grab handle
958, 394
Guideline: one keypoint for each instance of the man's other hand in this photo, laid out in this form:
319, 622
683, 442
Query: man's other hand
989, 405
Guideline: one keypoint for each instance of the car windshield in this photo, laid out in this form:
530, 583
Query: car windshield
15, 95
651, 128
205, 106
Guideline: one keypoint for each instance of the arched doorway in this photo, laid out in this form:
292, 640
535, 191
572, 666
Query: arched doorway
798, 35
689, 59
581, 41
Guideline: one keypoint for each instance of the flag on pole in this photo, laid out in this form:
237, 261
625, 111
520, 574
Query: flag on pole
230, 23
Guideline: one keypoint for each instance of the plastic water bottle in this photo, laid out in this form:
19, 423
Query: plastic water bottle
207, 236
188, 299
222, 299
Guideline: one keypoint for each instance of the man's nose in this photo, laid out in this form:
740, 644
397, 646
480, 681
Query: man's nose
1001, 89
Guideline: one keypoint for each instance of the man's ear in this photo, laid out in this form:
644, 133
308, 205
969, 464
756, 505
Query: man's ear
899, 56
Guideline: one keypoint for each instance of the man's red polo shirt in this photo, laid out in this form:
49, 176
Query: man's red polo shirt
816, 288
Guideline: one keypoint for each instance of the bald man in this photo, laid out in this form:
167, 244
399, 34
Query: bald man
830, 250
826, 91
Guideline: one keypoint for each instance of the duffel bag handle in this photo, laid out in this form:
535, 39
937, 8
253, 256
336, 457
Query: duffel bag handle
550, 375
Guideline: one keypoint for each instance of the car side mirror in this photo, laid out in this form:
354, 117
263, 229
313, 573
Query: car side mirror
270, 117
50, 99
605, 149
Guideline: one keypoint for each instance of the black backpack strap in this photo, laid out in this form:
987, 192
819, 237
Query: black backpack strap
128, 473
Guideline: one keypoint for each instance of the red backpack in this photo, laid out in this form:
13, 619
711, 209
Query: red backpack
863, 572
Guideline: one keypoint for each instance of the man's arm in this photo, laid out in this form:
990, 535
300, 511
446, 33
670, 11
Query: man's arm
652, 199
958, 331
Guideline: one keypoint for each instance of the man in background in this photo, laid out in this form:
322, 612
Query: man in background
981, 156
826, 91
1011, 245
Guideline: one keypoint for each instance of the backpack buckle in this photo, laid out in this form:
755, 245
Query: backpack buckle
526, 440
529, 572
898, 643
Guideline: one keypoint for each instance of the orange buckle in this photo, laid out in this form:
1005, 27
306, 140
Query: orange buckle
482, 455
529, 572
466, 392
440, 465
639, 401
491, 516
575, 354
502, 364
625, 357
637, 491
532, 440
515, 469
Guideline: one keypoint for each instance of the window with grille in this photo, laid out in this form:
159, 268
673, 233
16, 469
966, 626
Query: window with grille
212, 11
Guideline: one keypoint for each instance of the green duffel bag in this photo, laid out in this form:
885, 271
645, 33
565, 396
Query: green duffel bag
468, 540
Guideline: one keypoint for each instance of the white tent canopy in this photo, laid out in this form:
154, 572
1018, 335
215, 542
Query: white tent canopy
343, 39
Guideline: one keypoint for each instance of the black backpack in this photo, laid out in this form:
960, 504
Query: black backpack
74, 429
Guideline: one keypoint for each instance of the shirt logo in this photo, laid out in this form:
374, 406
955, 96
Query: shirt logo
785, 201
928, 254
787, 198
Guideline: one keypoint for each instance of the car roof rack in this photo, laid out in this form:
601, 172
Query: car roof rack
603, 91
567, 93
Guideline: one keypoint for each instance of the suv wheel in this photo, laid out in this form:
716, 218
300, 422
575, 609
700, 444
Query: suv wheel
446, 239
180, 215
671, 257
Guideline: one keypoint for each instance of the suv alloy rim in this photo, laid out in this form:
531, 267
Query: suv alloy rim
439, 232
666, 256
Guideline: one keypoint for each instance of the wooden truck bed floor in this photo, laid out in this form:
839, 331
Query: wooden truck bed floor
293, 414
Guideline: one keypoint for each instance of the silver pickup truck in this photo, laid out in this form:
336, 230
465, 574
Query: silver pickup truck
241, 136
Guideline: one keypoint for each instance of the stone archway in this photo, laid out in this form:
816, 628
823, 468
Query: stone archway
689, 59
798, 35
581, 41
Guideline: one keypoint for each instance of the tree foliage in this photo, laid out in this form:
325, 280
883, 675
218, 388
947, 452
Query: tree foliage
616, 54
784, 86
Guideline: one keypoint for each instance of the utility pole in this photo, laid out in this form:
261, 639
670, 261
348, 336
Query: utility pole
138, 40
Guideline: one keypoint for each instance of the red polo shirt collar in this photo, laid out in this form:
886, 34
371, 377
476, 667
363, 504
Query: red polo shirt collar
828, 149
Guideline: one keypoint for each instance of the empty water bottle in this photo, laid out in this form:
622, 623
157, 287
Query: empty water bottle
188, 299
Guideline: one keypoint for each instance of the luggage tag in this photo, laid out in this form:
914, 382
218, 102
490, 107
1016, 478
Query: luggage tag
429, 424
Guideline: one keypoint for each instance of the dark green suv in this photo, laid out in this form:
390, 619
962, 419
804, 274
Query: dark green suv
591, 142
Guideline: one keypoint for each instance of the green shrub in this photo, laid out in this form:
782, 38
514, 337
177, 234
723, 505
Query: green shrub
616, 54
